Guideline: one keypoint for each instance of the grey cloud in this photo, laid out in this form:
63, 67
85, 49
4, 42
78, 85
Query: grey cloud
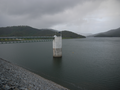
21, 11
72, 14
35, 7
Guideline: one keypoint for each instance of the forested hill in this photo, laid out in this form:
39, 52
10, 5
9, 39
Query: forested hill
110, 33
29, 31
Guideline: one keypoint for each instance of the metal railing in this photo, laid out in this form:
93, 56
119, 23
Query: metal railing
25, 39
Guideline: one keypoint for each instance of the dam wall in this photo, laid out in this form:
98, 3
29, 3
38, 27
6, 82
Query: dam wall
13, 77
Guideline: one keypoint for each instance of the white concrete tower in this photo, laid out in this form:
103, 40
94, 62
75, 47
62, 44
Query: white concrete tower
57, 46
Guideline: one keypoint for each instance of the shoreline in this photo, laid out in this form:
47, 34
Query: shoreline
14, 77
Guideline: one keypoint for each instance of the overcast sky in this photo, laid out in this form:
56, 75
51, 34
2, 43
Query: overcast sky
80, 16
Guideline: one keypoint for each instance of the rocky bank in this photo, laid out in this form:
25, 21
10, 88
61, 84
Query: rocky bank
13, 77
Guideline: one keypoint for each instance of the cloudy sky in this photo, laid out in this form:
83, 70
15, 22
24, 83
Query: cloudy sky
80, 16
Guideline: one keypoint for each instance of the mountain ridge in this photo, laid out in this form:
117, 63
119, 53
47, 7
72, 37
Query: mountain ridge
30, 31
110, 33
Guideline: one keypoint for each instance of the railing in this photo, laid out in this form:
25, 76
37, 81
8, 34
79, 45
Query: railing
25, 39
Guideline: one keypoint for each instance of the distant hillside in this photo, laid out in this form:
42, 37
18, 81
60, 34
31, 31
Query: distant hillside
110, 33
68, 34
29, 31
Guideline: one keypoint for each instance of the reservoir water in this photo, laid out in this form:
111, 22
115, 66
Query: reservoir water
86, 64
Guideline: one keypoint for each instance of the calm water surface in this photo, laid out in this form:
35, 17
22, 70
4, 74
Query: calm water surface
87, 64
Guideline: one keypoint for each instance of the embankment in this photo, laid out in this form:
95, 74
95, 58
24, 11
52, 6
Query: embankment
13, 77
